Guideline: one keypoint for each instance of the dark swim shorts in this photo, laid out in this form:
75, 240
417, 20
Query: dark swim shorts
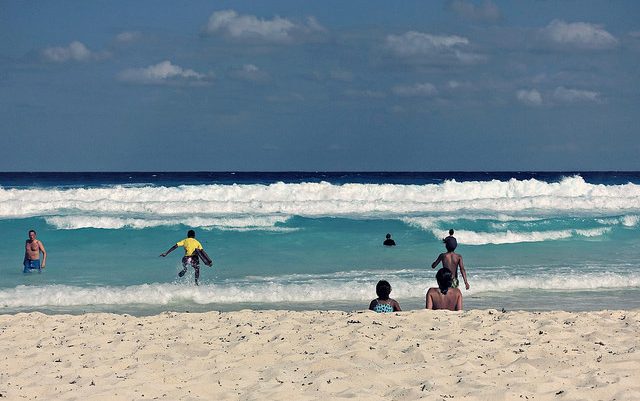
31, 265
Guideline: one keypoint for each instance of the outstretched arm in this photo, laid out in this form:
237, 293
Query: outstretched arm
173, 248
464, 273
434, 264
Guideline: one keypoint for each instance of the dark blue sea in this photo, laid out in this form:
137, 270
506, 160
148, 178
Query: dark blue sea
313, 240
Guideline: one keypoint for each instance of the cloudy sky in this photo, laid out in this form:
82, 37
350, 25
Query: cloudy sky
152, 85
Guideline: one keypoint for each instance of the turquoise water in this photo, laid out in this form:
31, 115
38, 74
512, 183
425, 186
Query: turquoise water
562, 242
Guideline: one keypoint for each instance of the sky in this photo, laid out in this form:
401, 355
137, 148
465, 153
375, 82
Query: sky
332, 85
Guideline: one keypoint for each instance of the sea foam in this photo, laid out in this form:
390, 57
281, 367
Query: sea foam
232, 206
311, 289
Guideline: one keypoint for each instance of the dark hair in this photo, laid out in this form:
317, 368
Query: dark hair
31, 231
383, 289
388, 235
451, 231
451, 244
191, 234
445, 279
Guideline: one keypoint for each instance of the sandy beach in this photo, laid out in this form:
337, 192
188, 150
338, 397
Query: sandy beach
251, 355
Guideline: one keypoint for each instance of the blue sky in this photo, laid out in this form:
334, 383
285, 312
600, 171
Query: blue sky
152, 85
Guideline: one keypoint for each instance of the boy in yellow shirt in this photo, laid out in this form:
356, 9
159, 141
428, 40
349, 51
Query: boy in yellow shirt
192, 250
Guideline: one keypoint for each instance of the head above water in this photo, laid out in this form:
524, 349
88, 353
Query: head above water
445, 279
32, 232
451, 231
191, 234
451, 244
388, 236
383, 289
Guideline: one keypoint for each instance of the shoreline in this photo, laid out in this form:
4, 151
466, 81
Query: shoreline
277, 354
525, 301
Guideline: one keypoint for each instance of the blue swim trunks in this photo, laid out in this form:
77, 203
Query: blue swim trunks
31, 265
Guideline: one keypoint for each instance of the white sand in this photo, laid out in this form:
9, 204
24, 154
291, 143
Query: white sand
283, 355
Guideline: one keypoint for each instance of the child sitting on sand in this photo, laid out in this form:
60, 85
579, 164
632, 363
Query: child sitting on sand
383, 303
444, 297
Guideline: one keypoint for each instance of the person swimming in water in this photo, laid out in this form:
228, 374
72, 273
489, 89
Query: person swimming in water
444, 297
383, 303
452, 261
190, 258
388, 241
450, 237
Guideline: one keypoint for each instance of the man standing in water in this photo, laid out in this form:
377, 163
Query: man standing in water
452, 261
192, 249
32, 250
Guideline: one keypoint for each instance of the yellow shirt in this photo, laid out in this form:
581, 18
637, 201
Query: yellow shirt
190, 245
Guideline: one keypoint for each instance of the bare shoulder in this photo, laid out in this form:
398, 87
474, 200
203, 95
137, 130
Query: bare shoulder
456, 291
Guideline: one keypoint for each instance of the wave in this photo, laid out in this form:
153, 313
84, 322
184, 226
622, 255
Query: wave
140, 207
266, 223
315, 289
468, 237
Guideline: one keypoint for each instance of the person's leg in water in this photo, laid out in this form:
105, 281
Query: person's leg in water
194, 262
186, 261
196, 268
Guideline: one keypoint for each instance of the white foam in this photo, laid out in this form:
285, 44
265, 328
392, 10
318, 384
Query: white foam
630, 221
225, 223
501, 237
134, 206
351, 286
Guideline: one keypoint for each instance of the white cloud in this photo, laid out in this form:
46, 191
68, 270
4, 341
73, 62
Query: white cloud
250, 27
127, 37
488, 11
371, 94
580, 35
314, 26
250, 72
575, 95
414, 44
163, 73
424, 89
469, 58
529, 97
76, 51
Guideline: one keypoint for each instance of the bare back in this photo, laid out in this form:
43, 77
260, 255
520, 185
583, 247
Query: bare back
451, 261
452, 300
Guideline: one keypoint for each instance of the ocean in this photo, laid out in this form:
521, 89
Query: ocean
306, 241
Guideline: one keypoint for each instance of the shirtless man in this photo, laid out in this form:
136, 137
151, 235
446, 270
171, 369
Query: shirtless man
452, 261
32, 250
